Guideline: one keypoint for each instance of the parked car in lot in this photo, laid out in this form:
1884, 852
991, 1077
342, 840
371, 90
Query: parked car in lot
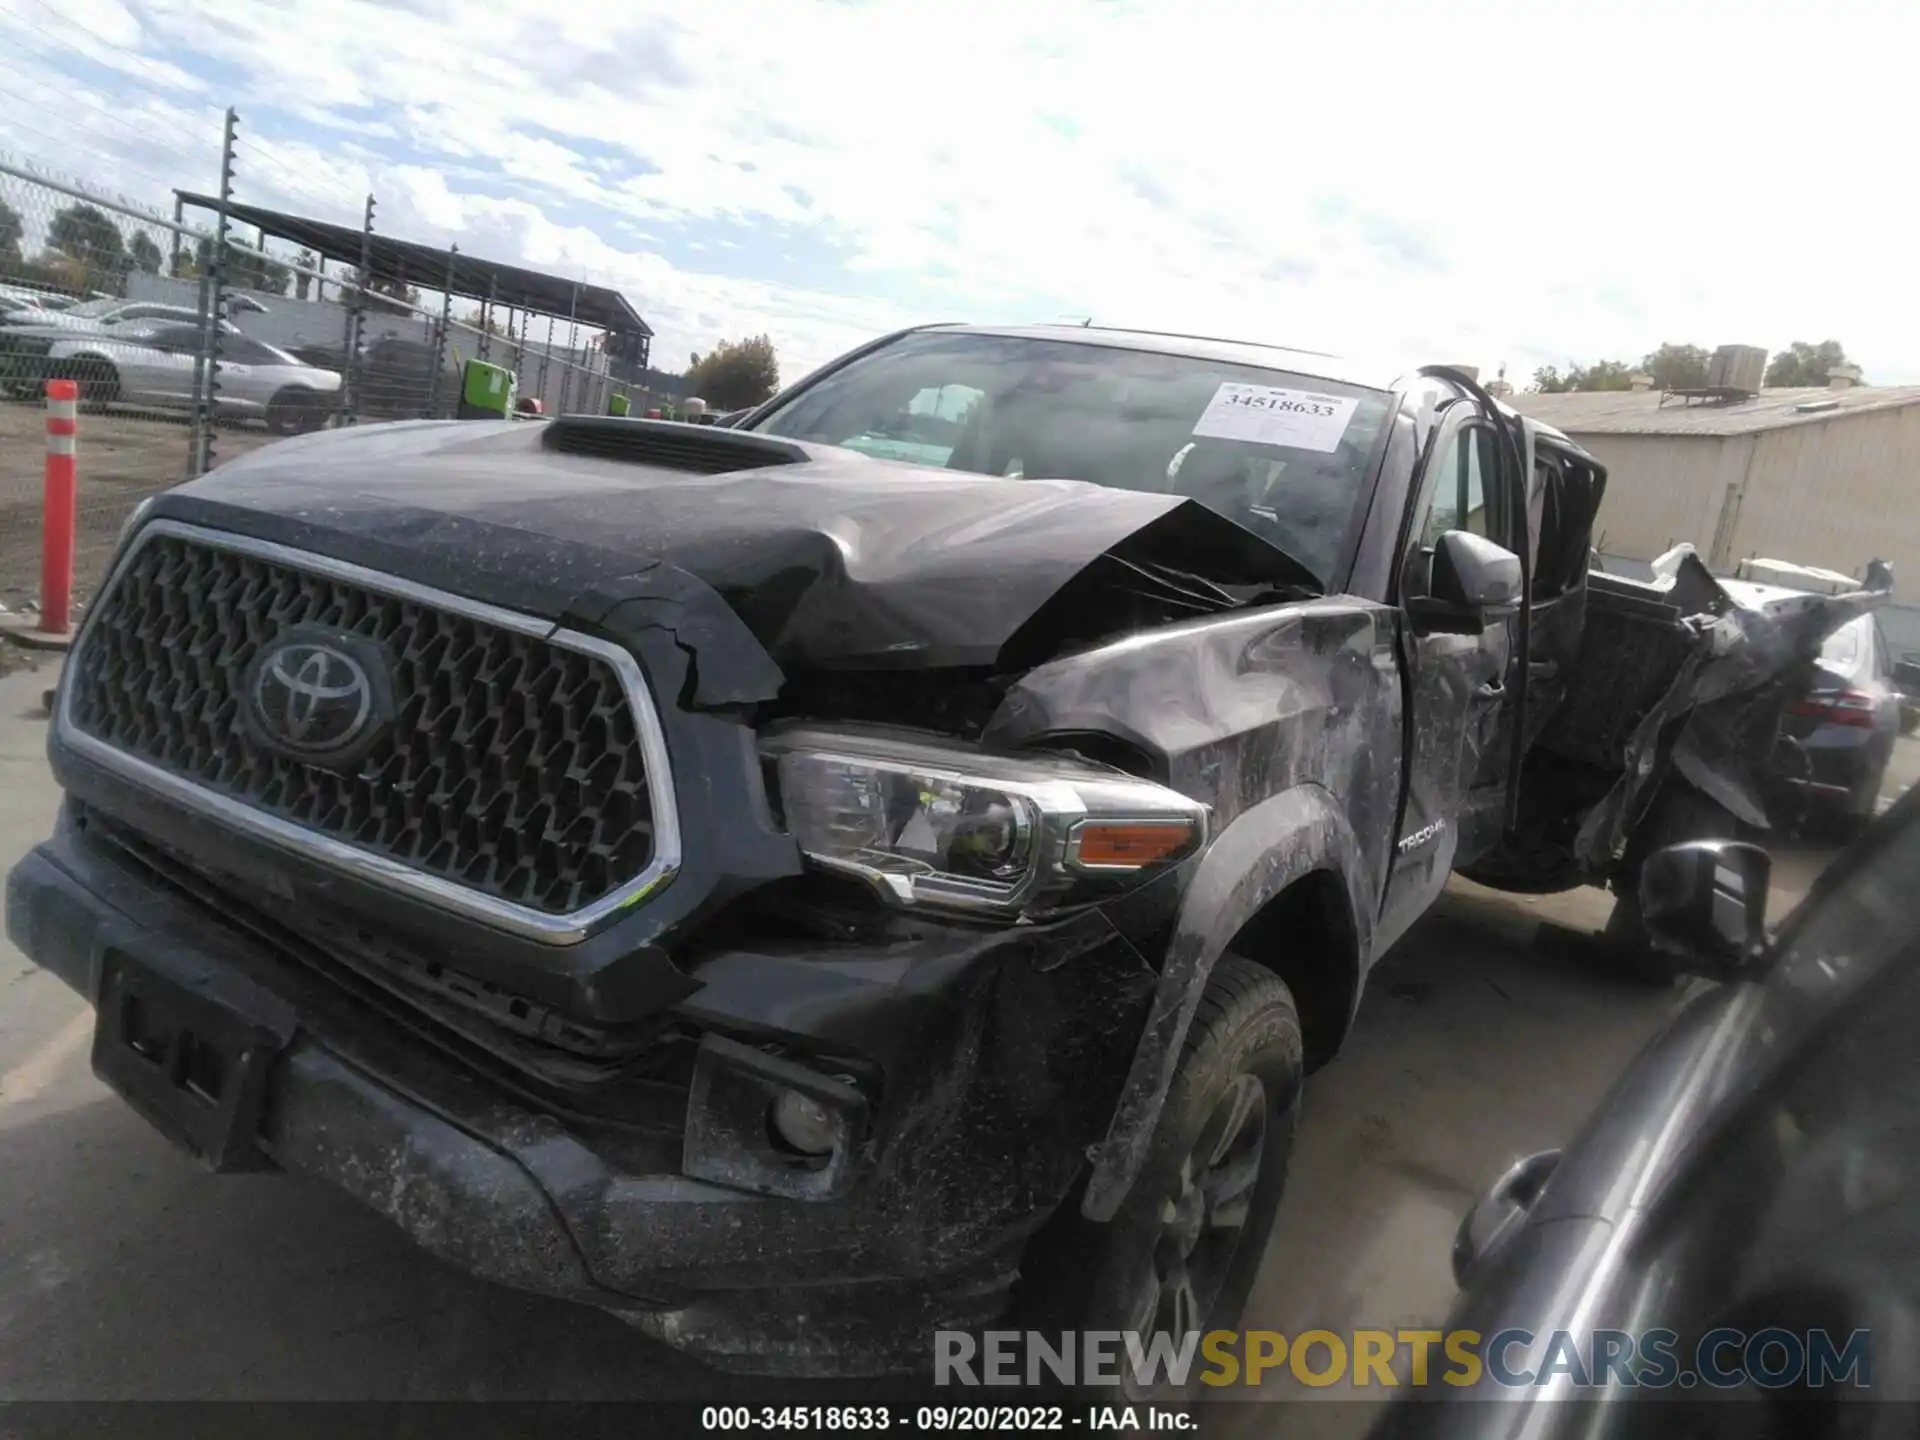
1757, 1169
1846, 724
15, 298
1906, 675
101, 314
27, 349
1839, 727
135, 365
800, 898
397, 378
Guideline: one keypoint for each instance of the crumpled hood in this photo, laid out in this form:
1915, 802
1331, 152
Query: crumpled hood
829, 559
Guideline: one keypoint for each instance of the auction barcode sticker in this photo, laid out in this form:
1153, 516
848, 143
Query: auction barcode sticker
1268, 415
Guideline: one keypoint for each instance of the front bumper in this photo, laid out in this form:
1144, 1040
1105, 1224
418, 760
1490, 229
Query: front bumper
997, 1064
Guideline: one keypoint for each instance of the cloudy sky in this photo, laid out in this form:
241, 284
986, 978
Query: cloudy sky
1521, 184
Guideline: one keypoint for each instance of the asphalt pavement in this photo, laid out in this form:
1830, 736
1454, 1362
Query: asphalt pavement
126, 1273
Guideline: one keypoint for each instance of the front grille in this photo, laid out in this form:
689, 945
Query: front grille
512, 767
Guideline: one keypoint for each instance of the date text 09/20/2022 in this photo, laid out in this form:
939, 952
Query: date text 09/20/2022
945, 1419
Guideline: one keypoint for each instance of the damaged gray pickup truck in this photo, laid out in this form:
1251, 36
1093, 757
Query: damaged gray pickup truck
884, 867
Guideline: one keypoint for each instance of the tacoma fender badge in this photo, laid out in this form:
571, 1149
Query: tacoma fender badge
1424, 835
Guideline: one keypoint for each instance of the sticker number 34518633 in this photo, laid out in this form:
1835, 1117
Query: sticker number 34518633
1272, 415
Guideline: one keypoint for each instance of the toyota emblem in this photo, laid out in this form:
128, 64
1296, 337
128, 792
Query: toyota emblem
318, 697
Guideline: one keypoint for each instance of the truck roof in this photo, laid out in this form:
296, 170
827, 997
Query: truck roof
1198, 347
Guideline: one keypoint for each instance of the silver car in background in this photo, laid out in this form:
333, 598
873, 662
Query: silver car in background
1847, 722
30, 302
107, 312
1837, 734
153, 366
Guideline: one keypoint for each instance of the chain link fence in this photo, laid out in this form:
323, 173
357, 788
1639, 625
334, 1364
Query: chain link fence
64, 314
194, 343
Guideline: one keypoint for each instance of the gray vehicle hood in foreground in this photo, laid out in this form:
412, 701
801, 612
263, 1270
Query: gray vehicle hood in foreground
1745, 1155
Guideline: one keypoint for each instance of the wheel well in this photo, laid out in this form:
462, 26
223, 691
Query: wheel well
1305, 935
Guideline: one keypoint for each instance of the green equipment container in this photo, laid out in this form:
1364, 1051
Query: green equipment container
618, 406
486, 392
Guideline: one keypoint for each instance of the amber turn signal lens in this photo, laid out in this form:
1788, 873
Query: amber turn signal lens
1123, 845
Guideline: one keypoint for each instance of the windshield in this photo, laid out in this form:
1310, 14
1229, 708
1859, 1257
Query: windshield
1284, 455
95, 307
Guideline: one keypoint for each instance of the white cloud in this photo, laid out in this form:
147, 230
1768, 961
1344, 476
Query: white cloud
1518, 183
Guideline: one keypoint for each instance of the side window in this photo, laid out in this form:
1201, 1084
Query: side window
239, 350
1563, 509
175, 337
1456, 497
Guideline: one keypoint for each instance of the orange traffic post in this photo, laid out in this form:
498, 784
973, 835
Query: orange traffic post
60, 495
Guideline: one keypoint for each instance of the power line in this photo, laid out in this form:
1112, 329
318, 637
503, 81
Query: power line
123, 127
64, 43
57, 144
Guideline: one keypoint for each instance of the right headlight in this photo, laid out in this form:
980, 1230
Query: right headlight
954, 829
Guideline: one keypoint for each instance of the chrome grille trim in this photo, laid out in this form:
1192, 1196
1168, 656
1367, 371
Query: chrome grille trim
521, 920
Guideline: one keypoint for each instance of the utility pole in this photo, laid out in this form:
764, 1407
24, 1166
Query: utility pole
206, 361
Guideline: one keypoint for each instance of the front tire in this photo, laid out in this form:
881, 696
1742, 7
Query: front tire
1182, 1253
99, 381
294, 412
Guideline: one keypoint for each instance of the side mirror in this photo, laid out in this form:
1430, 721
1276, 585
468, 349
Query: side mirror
1705, 904
1472, 581
1499, 1213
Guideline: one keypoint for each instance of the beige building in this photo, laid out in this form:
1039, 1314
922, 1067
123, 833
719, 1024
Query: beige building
1825, 477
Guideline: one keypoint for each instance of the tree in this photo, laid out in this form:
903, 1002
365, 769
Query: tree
11, 233
302, 281
735, 373
85, 235
481, 318
1804, 364
392, 295
144, 253
1601, 375
245, 271
256, 272
1677, 367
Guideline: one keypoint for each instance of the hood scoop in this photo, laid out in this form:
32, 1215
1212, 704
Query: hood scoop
669, 444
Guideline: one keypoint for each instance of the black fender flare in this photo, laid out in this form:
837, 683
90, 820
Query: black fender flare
1265, 849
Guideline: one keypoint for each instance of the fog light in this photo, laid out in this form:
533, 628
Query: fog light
803, 1124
